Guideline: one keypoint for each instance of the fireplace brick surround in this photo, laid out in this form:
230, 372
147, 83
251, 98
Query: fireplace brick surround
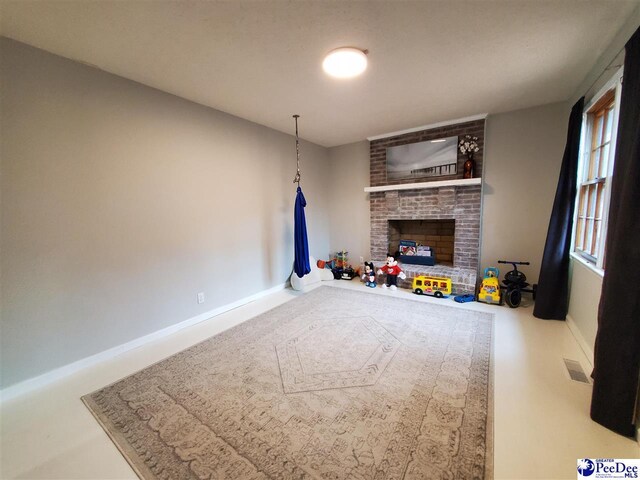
461, 203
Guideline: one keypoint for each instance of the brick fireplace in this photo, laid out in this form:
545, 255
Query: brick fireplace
444, 215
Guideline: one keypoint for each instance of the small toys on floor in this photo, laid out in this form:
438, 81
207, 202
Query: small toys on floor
467, 297
369, 275
347, 273
490, 288
341, 269
439, 287
515, 282
393, 271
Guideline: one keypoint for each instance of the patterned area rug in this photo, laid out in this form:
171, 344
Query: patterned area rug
335, 384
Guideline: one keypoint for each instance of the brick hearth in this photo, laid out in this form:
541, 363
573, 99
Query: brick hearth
463, 280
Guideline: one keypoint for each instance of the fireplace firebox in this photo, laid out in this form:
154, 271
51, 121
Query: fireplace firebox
438, 235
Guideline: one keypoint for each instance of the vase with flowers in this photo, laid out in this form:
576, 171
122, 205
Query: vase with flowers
468, 145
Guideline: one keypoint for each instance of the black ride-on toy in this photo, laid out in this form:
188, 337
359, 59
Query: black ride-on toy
514, 283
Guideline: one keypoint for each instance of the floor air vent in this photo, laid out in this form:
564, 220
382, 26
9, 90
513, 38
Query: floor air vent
575, 371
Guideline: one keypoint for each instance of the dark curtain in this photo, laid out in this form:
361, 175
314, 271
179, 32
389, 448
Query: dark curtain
301, 245
552, 297
617, 348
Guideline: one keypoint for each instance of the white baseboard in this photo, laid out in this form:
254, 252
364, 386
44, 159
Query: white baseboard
584, 345
31, 384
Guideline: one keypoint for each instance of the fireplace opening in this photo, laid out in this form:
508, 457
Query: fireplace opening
438, 235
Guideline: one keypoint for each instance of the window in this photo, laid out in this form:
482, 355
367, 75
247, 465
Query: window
597, 151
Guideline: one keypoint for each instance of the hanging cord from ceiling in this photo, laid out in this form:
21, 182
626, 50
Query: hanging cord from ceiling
296, 179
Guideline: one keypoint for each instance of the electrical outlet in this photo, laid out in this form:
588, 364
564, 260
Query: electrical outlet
201, 297
361, 259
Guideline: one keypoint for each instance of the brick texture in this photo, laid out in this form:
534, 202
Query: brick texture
378, 151
461, 204
458, 203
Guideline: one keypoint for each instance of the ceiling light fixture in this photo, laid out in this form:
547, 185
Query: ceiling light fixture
345, 62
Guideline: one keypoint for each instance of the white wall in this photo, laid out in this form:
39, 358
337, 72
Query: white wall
349, 204
121, 202
523, 155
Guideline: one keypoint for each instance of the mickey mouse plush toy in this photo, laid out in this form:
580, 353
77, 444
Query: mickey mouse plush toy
369, 275
393, 271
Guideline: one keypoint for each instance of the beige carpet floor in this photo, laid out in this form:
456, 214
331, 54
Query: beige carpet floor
335, 384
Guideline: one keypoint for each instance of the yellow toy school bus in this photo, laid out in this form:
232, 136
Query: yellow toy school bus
437, 286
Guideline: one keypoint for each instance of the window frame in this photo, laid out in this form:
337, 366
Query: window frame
597, 263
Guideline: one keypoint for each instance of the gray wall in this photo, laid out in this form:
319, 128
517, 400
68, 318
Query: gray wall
523, 154
121, 202
349, 214
584, 298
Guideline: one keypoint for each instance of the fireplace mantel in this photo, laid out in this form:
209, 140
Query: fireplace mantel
461, 182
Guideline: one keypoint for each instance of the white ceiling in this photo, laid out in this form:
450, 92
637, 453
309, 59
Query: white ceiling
429, 61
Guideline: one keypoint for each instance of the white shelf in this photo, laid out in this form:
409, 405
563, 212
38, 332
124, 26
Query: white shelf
463, 182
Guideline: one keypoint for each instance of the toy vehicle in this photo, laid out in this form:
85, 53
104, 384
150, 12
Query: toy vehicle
439, 287
490, 287
515, 282
340, 273
467, 297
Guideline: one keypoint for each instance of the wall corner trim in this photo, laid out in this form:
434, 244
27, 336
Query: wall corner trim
32, 384
584, 345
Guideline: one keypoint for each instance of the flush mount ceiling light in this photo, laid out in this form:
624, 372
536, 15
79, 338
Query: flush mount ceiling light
345, 62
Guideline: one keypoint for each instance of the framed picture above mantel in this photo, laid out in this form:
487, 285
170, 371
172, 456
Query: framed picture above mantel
382, 148
432, 158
